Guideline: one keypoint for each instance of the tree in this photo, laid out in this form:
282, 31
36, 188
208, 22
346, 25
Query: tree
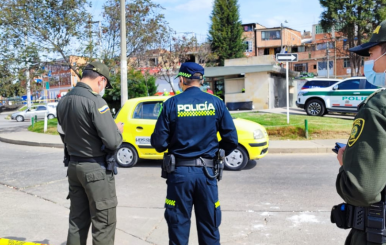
13, 64
170, 61
139, 85
355, 19
225, 32
53, 26
146, 28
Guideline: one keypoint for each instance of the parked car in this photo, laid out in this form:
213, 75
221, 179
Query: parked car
319, 83
139, 116
40, 111
343, 96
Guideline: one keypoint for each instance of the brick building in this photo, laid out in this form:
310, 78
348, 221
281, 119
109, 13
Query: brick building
314, 51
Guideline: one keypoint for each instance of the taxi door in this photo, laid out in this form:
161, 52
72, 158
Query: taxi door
142, 124
347, 95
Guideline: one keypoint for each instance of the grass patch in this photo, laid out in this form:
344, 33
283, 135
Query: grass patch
51, 127
8, 117
318, 127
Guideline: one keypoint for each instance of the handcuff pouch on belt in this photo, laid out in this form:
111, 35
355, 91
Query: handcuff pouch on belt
168, 165
371, 220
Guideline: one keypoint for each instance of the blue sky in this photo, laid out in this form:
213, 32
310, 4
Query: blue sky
193, 15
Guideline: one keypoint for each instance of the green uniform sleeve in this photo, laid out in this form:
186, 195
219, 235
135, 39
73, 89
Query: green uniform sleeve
105, 125
363, 174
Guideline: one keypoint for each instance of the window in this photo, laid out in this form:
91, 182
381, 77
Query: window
315, 67
248, 46
153, 62
294, 50
270, 35
301, 49
333, 82
147, 110
345, 44
370, 86
346, 63
319, 30
323, 46
301, 67
348, 85
248, 28
41, 108
317, 84
266, 51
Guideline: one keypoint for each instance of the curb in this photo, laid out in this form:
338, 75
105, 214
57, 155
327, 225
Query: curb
29, 143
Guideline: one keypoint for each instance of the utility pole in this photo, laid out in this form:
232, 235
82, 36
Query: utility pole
27, 73
281, 37
328, 60
124, 92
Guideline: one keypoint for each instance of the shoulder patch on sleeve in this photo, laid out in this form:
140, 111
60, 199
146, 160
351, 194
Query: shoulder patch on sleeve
103, 109
356, 131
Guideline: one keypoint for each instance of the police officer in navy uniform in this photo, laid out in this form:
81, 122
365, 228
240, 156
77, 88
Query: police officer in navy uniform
187, 127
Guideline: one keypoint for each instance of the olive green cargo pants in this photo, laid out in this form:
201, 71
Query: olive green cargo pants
93, 200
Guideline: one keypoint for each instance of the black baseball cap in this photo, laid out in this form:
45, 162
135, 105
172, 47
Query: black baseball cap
378, 37
101, 69
188, 69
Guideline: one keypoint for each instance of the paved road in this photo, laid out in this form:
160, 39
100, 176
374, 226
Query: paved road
281, 199
11, 125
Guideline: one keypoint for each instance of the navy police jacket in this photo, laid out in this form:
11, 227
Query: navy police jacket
188, 124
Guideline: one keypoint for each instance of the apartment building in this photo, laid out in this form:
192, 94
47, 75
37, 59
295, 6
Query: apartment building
315, 51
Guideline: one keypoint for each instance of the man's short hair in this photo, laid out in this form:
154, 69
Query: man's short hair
190, 81
383, 48
90, 74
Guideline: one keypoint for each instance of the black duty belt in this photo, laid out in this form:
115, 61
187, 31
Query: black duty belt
197, 162
101, 159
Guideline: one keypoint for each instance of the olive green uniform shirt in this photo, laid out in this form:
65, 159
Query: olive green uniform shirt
363, 174
87, 123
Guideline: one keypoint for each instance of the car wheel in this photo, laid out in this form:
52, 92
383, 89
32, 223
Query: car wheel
20, 118
50, 116
237, 160
315, 108
126, 156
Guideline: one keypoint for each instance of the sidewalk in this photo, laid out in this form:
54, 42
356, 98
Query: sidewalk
25, 137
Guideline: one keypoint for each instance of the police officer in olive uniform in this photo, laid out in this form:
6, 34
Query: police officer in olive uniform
187, 127
362, 176
87, 125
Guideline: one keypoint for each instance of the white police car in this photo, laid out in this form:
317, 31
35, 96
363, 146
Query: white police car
343, 96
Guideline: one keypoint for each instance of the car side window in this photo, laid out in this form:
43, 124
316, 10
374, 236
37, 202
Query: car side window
349, 85
370, 86
41, 108
138, 111
332, 83
147, 110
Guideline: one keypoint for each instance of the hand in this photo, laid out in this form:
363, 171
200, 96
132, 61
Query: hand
120, 126
340, 155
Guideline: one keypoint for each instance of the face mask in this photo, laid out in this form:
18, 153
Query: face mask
101, 92
375, 78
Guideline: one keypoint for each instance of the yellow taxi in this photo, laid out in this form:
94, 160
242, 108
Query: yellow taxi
139, 116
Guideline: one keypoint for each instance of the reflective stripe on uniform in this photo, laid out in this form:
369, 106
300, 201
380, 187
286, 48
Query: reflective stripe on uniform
170, 202
196, 113
217, 204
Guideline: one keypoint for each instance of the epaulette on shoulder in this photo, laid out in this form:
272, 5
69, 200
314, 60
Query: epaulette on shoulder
370, 96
